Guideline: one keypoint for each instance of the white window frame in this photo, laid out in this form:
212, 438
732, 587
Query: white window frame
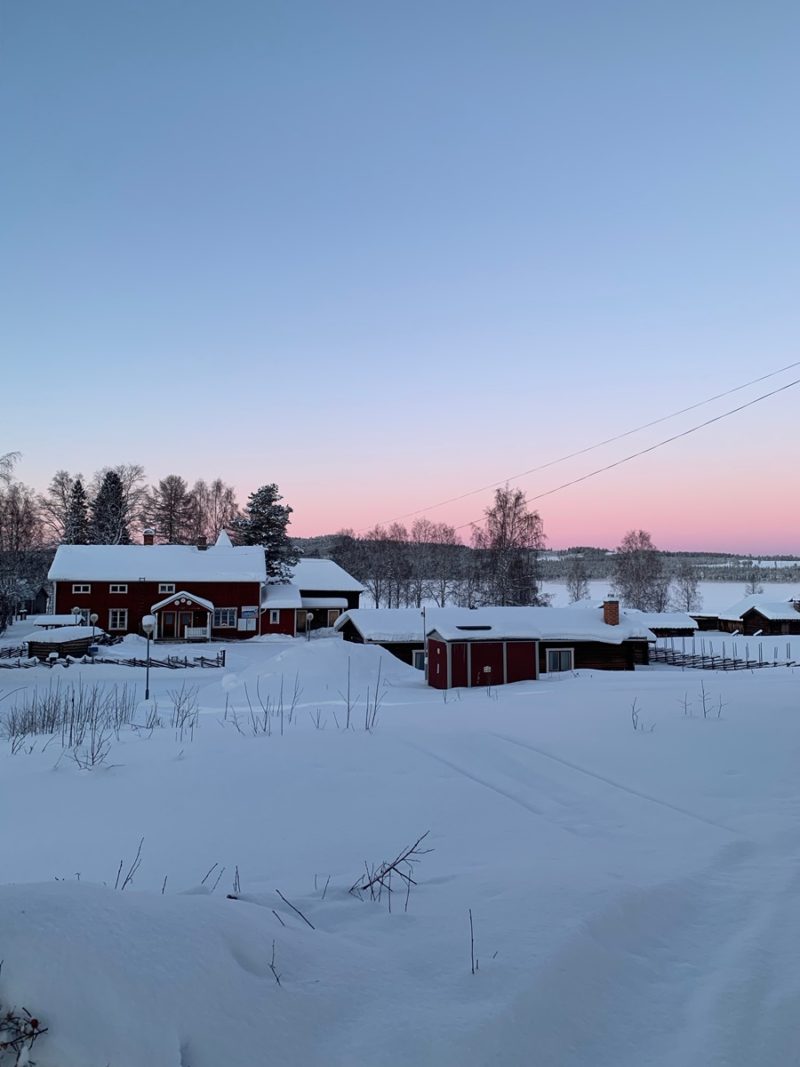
230, 616
560, 652
118, 613
274, 616
166, 587
418, 657
81, 588
118, 587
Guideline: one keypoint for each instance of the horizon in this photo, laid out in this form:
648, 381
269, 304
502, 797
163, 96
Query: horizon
383, 257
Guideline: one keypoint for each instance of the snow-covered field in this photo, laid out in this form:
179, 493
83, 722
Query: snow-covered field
633, 893
714, 596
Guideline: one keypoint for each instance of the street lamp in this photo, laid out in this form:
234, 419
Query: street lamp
93, 620
76, 614
148, 625
309, 620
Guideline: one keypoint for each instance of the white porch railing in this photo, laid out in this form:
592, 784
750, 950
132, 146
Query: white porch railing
196, 633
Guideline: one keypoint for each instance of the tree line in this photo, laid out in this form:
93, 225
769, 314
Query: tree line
114, 506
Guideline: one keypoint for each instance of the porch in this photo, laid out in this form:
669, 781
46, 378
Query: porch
183, 617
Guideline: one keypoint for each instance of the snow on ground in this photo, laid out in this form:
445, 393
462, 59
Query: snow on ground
633, 892
714, 596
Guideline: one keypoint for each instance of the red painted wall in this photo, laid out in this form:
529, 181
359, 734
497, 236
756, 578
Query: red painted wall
437, 664
142, 595
459, 676
487, 654
286, 625
521, 661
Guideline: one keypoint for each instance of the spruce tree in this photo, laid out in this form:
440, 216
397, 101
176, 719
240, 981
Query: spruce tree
108, 525
76, 523
264, 523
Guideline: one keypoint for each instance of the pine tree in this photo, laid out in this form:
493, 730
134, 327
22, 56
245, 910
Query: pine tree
108, 525
264, 523
76, 523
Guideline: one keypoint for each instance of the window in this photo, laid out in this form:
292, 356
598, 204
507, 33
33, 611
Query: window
118, 619
333, 615
81, 589
274, 617
118, 589
224, 618
560, 659
166, 587
418, 659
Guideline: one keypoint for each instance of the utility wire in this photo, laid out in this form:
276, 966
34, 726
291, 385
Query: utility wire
652, 448
597, 444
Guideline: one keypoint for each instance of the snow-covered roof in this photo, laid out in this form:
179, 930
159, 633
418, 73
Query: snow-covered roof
158, 563
52, 620
324, 602
323, 575
280, 595
183, 594
405, 625
770, 609
64, 635
662, 620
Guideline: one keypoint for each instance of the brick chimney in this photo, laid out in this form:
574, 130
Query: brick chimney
202, 542
611, 612
148, 536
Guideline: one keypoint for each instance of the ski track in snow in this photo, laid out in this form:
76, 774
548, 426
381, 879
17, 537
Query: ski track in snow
616, 785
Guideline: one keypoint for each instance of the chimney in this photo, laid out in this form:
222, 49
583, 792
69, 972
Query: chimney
611, 612
202, 543
148, 536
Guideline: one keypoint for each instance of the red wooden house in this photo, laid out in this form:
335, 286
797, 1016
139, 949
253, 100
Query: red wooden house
195, 592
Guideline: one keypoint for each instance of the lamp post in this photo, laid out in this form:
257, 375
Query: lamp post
93, 620
309, 620
148, 625
424, 642
76, 614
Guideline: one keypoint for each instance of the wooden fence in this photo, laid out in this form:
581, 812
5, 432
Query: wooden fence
728, 655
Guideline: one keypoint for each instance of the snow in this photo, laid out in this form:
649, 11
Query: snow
405, 625
64, 634
663, 620
281, 595
633, 893
770, 609
157, 563
189, 596
323, 575
324, 602
714, 596
51, 620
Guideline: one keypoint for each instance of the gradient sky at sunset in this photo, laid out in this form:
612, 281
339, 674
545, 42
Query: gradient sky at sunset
384, 254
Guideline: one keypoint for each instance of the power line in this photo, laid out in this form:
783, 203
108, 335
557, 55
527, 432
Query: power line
591, 448
652, 448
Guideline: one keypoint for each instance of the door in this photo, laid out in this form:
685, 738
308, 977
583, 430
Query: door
167, 623
184, 620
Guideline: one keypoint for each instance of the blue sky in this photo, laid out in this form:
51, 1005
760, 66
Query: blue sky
383, 254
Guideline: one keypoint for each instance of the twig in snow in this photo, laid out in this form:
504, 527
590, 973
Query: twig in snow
471, 942
208, 873
272, 965
133, 868
280, 920
285, 901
